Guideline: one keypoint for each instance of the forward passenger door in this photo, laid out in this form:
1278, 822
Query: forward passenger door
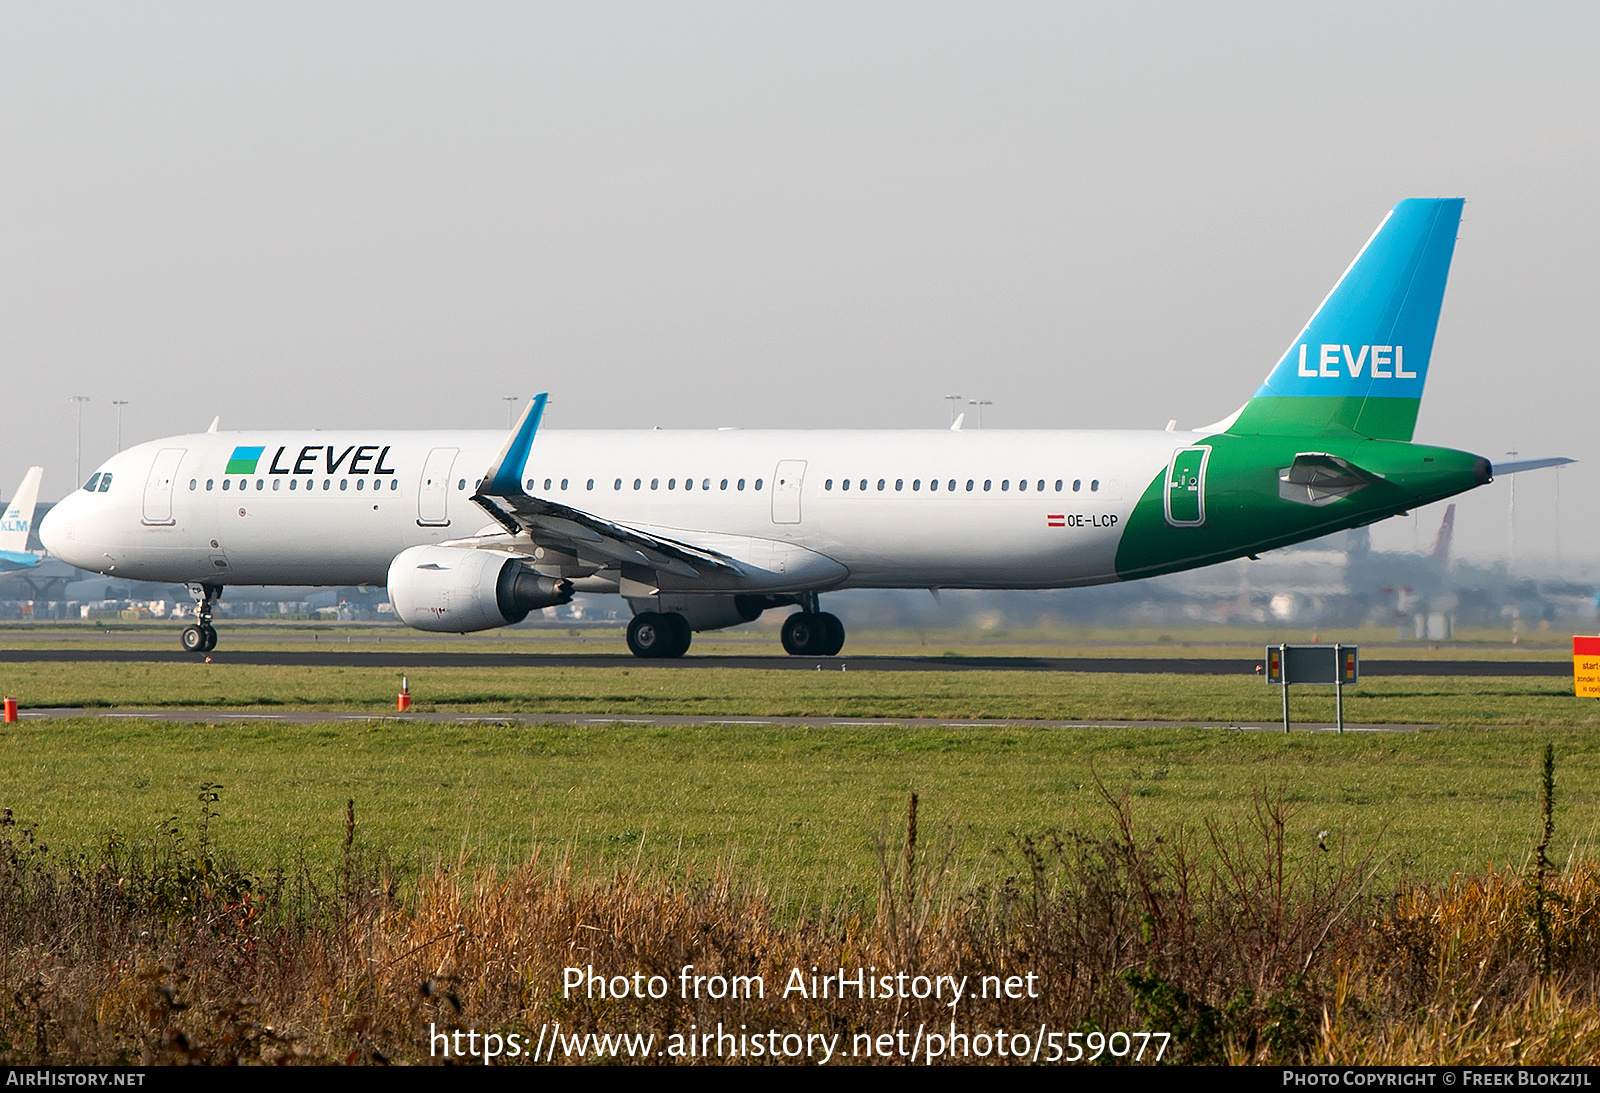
433, 492
158, 486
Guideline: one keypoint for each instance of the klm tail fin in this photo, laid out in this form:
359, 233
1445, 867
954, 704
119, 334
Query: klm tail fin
18, 518
1359, 365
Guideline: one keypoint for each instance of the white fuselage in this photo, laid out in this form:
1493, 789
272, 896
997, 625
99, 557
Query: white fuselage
940, 509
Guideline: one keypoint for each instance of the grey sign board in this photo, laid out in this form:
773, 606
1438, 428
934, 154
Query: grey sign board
1329, 665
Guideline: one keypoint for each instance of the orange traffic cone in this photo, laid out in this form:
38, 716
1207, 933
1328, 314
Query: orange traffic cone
405, 695
11, 710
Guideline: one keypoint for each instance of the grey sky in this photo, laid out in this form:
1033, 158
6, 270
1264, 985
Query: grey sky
805, 216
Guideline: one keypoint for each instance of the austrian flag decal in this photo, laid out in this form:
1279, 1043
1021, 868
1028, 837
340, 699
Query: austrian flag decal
1056, 520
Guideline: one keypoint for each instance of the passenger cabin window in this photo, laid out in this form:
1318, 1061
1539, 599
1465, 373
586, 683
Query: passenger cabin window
227, 483
277, 483
1077, 484
741, 483
724, 483
1058, 485
194, 482
880, 485
293, 485
828, 485
987, 482
209, 481
1094, 485
1022, 485
563, 483
758, 483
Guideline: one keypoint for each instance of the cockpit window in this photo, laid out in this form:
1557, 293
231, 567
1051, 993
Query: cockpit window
94, 480
105, 482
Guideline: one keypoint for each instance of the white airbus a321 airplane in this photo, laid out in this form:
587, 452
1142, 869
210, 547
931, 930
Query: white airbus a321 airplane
703, 530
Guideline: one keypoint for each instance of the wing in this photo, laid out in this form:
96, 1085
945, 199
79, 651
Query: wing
591, 541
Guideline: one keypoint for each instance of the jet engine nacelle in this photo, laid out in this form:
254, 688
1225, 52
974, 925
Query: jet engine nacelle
456, 590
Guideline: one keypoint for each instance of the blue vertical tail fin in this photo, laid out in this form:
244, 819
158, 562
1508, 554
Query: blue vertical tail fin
1360, 363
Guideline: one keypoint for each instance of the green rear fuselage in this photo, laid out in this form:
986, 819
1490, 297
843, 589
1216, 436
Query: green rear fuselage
1246, 510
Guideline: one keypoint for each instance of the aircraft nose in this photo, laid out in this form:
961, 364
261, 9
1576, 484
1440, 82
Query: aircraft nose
61, 532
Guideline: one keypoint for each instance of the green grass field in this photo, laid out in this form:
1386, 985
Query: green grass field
801, 806
1069, 696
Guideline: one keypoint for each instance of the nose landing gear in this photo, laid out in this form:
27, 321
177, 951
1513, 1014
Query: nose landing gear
201, 637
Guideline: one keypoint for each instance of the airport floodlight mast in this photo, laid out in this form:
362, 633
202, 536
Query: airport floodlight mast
1511, 518
1558, 514
954, 401
511, 407
119, 403
77, 461
980, 403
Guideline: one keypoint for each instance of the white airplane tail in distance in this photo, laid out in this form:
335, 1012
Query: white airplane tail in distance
17, 523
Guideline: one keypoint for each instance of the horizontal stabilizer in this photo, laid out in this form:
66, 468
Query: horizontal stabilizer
1529, 465
17, 559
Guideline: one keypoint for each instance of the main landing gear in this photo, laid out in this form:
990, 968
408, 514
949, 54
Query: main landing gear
654, 634
813, 634
809, 632
201, 637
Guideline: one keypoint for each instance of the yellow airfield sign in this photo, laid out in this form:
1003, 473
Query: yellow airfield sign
1586, 667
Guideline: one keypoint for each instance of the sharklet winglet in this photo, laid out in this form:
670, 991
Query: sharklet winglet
504, 478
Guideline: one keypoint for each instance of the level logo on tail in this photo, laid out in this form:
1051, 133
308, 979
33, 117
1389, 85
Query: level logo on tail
1359, 365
